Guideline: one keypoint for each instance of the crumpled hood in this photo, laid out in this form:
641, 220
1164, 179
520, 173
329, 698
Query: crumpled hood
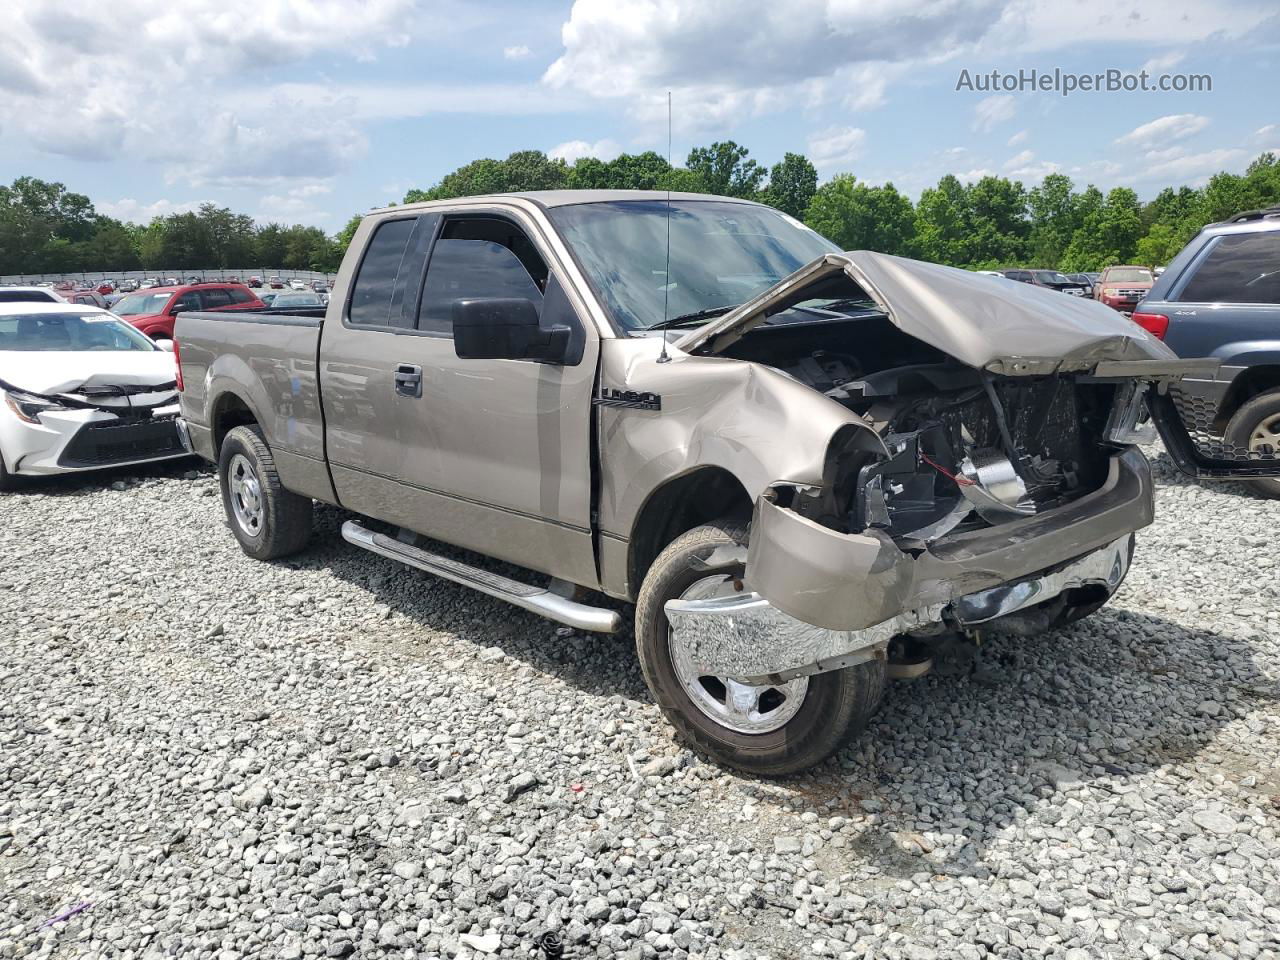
55, 371
986, 322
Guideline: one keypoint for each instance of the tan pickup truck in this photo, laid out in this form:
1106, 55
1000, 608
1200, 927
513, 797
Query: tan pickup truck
802, 466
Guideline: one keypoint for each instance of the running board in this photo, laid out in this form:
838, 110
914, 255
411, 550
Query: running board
534, 599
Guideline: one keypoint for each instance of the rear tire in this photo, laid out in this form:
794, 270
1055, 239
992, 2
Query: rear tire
268, 520
832, 706
1250, 428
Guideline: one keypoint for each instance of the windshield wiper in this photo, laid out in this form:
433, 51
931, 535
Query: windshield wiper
696, 317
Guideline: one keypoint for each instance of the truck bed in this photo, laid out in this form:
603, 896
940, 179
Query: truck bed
258, 355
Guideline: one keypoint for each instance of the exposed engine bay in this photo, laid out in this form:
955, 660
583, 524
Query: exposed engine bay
961, 448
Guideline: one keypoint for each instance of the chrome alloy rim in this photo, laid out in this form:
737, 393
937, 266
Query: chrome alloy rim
1265, 437
740, 707
246, 495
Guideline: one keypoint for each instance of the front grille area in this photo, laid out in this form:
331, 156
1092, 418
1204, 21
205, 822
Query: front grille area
1134, 295
102, 444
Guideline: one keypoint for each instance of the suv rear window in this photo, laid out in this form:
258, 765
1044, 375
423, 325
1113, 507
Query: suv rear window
1243, 268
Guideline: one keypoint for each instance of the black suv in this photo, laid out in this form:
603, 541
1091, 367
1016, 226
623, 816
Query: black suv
1220, 297
1050, 279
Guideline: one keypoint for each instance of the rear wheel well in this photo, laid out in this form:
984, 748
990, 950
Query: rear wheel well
1245, 387
229, 411
676, 507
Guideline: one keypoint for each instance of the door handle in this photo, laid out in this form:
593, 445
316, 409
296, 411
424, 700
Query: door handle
409, 380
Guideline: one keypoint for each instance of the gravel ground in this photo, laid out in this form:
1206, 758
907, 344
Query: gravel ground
211, 757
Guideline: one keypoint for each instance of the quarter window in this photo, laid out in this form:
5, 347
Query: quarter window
383, 268
1244, 268
216, 298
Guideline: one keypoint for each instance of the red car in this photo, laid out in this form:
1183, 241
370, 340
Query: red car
152, 310
275, 283
255, 281
1121, 288
105, 287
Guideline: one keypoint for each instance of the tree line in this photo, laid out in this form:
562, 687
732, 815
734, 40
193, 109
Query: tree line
991, 223
46, 228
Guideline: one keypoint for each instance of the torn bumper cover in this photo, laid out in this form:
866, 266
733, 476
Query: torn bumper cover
821, 600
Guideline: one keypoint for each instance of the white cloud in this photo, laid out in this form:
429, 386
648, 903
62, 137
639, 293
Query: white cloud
1017, 138
1176, 126
1019, 160
134, 211
1264, 133
972, 176
1164, 61
992, 111
573, 150
836, 146
1191, 168
97, 82
297, 204
518, 52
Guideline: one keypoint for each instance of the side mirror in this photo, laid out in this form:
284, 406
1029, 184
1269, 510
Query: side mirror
505, 329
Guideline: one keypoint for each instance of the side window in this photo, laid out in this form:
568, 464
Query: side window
478, 259
383, 266
188, 301
216, 298
1244, 268
240, 295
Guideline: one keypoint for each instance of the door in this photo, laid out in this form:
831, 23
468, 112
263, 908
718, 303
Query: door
492, 455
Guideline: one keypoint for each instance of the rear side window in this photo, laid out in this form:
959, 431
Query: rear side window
470, 270
216, 298
240, 295
382, 270
1244, 268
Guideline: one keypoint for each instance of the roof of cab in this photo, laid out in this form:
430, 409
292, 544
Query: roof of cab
565, 198
34, 306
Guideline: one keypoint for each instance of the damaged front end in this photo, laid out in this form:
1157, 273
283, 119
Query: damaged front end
1004, 491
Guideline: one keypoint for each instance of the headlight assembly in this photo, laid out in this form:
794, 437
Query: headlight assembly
27, 407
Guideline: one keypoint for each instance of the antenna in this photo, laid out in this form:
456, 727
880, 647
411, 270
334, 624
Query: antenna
664, 357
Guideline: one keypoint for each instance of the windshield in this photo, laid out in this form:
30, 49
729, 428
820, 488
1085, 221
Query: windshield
1051, 276
96, 331
140, 304
721, 254
1129, 275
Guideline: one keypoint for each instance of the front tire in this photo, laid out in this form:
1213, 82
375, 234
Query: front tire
268, 520
1256, 427
769, 730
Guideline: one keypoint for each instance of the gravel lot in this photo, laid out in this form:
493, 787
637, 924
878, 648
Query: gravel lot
338, 756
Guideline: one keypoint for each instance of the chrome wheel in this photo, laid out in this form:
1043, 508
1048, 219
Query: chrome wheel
246, 494
1265, 437
740, 707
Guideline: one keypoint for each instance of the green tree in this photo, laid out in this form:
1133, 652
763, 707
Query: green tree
1159, 246
1054, 218
792, 184
725, 168
855, 216
941, 225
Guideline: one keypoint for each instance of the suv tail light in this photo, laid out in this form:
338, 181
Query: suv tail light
1156, 324
177, 364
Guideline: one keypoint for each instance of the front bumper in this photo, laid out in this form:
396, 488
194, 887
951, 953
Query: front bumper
747, 638
821, 595
69, 441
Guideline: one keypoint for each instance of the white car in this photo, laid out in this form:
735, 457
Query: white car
81, 389
29, 295
297, 285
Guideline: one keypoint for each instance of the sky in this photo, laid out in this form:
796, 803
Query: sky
313, 110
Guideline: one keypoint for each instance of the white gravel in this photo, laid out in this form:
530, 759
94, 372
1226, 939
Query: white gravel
212, 757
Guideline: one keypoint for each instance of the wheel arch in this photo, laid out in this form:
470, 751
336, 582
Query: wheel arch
676, 506
1249, 383
228, 411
